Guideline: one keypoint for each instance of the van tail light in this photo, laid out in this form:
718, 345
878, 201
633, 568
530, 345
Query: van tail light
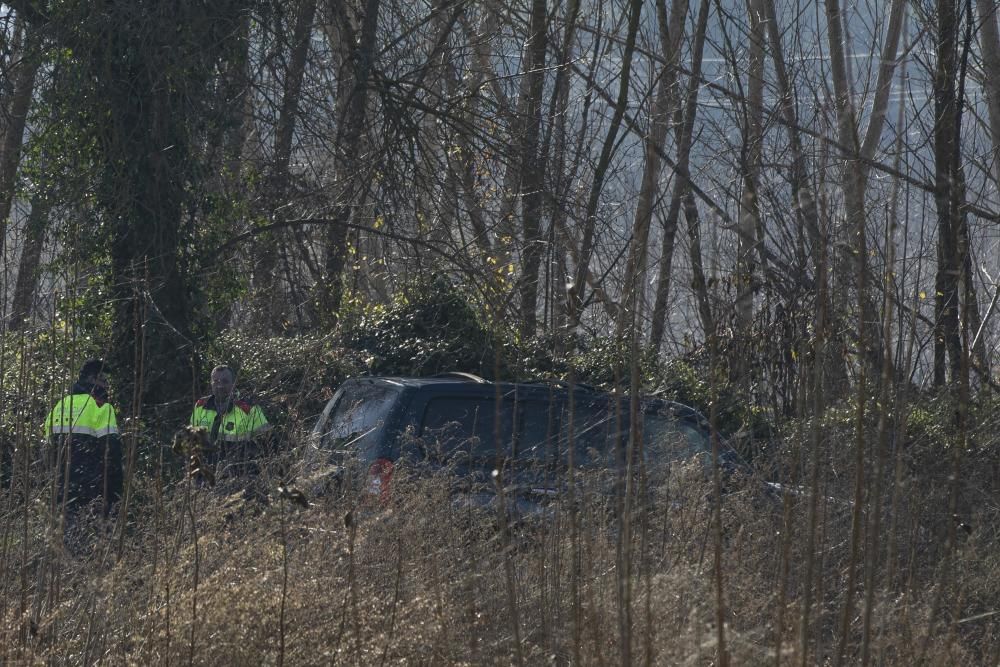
379, 478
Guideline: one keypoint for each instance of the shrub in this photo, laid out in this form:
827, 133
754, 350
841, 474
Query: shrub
431, 327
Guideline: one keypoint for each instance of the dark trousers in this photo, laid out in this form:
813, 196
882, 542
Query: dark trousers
95, 472
237, 459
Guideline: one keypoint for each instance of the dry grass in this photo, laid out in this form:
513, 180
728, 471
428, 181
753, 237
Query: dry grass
204, 577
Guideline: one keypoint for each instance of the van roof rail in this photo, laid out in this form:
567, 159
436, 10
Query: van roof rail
461, 375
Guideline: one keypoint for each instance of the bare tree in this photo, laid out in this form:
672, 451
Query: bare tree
660, 115
947, 194
577, 289
272, 257
753, 133
354, 31
685, 126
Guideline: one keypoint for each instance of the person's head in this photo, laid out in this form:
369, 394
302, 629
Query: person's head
92, 373
223, 379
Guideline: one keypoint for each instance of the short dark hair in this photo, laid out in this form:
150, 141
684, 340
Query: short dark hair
91, 368
223, 367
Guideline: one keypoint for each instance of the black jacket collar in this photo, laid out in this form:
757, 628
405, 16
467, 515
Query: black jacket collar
100, 393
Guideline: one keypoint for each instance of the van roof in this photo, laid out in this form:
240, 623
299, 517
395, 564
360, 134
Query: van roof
469, 380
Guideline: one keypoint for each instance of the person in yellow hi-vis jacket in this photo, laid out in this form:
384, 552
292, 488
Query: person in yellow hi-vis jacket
85, 448
238, 431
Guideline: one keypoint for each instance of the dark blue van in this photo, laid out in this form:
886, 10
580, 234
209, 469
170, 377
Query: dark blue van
519, 439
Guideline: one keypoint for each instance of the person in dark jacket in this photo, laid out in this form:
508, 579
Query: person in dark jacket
85, 448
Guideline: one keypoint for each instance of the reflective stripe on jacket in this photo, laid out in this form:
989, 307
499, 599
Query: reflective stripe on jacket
82, 414
243, 421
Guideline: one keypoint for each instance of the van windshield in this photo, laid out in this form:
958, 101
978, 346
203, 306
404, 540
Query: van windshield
358, 411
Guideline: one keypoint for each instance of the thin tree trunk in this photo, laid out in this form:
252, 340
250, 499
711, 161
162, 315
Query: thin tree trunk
801, 180
226, 143
883, 85
854, 194
698, 282
682, 186
947, 342
463, 166
10, 145
275, 249
989, 40
971, 316
561, 179
511, 187
285, 130
28, 271
854, 175
601, 295
753, 132
240, 102
533, 168
649, 190
575, 299
352, 109
803, 195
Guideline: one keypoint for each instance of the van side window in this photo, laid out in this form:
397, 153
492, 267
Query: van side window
668, 439
455, 424
537, 430
594, 428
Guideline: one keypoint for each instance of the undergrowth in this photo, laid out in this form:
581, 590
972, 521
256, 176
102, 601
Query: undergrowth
200, 575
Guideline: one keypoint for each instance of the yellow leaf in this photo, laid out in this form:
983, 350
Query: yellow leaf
923, 294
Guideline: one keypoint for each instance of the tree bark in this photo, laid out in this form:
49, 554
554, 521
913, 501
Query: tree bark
883, 85
352, 106
699, 284
533, 169
753, 133
11, 142
28, 269
145, 76
855, 170
947, 336
989, 40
